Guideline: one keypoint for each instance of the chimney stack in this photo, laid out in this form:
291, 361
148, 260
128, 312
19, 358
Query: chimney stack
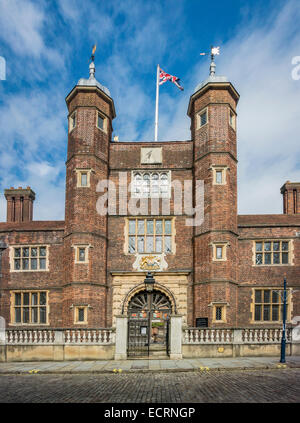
19, 204
291, 197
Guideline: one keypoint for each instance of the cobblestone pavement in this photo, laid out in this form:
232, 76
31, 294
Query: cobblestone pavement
205, 386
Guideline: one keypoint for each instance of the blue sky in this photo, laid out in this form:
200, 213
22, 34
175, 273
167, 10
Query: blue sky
47, 45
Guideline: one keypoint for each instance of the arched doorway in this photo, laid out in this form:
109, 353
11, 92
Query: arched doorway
148, 323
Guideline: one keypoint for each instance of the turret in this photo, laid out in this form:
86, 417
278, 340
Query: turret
212, 110
91, 111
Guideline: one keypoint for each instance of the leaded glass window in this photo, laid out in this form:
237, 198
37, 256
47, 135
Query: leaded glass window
219, 178
203, 118
219, 252
268, 305
218, 313
30, 307
81, 254
271, 252
149, 236
100, 122
81, 314
83, 177
151, 184
30, 258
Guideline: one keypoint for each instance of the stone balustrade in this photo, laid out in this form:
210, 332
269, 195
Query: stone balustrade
37, 344
207, 336
103, 336
59, 336
234, 336
264, 336
34, 336
89, 336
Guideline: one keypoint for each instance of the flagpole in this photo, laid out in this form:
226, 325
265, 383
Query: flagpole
156, 104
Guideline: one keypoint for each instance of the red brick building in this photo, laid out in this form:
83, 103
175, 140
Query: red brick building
88, 269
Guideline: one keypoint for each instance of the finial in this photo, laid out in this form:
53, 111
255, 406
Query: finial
92, 70
213, 52
92, 64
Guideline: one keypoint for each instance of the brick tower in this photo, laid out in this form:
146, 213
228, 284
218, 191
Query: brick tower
212, 110
91, 111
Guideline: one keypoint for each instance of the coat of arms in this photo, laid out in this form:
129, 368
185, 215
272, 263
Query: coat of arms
150, 263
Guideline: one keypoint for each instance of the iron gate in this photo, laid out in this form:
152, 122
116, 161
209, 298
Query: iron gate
138, 337
148, 324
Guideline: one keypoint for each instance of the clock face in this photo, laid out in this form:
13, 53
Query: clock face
151, 155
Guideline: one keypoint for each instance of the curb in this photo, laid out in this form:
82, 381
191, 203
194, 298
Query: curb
137, 371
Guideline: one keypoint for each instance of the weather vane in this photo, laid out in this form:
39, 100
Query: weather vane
213, 52
93, 53
92, 64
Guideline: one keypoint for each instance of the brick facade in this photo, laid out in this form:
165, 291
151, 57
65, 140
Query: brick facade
193, 277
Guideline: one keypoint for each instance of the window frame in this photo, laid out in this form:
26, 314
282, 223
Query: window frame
154, 235
104, 118
232, 122
79, 173
289, 251
29, 306
29, 257
76, 314
77, 248
223, 312
220, 244
71, 126
219, 168
271, 303
199, 114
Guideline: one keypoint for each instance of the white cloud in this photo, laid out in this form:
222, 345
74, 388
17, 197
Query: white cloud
24, 25
43, 170
70, 9
21, 23
258, 61
48, 181
35, 122
33, 136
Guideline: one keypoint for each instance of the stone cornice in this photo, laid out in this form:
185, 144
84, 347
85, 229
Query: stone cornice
214, 86
166, 273
101, 93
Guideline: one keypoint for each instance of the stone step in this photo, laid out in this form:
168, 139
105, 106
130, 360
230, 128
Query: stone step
158, 347
158, 352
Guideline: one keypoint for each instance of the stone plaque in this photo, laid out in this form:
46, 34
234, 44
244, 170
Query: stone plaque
151, 155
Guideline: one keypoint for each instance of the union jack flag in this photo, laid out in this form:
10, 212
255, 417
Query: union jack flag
164, 77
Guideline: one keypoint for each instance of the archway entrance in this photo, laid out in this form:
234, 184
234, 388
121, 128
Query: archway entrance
148, 324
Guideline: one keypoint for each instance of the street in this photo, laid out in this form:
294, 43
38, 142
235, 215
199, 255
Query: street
177, 387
